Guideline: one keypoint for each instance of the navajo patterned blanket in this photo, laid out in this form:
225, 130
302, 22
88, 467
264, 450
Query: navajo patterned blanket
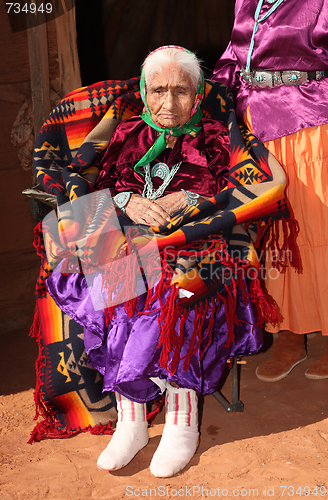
77, 132
68, 394
222, 231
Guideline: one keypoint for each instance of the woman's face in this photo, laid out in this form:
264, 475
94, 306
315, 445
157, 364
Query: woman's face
170, 96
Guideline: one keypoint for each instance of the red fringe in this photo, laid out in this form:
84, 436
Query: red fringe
130, 306
261, 231
112, 281
200, 313
35, 328
40, 405
287, 251
47, 429
38, 241
168, 336
49, 425
152, 414
176, 353
100, 429
171, 341
265, 306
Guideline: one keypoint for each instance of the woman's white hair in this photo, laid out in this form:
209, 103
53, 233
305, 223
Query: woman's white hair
187, 61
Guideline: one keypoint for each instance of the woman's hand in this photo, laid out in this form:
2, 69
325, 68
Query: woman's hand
173, 202
143, 211
176, 201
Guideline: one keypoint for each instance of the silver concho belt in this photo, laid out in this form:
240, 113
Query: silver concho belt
262, 79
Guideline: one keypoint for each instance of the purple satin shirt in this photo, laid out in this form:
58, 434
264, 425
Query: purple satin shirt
205, 159
126, 351
293, 37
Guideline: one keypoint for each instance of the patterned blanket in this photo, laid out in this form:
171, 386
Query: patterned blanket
74, 137
221, 232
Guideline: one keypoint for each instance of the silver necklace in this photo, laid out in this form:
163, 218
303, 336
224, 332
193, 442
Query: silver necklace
162, 171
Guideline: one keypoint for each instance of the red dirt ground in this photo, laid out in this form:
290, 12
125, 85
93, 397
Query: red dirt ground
276, 448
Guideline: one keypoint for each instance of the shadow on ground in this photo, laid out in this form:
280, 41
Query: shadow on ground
17, 368
268, 407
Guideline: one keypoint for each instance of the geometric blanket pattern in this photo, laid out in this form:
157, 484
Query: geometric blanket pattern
66, 158
69, 393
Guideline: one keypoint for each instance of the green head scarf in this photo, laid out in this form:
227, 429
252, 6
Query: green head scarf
188, 128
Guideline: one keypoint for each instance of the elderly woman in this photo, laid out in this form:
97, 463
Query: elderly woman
165, 160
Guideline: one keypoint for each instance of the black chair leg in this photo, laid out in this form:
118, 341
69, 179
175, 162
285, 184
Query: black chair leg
236, 405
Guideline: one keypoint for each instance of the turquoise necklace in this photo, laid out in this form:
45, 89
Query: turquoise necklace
258, 20
162, 171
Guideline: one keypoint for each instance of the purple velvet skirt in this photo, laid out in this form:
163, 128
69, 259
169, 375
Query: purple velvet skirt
126, 351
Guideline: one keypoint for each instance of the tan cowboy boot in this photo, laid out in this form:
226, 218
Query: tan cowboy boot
319, 369
286, 353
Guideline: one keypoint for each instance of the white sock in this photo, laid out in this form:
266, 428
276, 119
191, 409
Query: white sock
180, 435
130, 436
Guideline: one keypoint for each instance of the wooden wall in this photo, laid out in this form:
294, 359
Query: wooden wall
116, 35
18, 263
38, 66
132, 29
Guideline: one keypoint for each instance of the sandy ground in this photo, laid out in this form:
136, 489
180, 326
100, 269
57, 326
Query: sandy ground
276, 448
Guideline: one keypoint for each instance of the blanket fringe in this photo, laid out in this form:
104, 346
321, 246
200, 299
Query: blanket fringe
152, 413
265, 307
171, 341
173, 313
280, 238
168, 317
48, 429
45, 269
41, 407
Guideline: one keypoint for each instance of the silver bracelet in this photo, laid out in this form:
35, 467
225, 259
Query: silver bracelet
121, 199
192, 198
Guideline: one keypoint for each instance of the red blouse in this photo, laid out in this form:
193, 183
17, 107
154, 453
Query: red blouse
205, 159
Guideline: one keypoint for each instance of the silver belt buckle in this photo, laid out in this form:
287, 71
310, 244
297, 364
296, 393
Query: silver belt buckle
262, 79
277, 79
319, 75
247, 75
294, 77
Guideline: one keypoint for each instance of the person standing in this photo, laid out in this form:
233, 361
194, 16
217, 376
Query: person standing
277, 66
